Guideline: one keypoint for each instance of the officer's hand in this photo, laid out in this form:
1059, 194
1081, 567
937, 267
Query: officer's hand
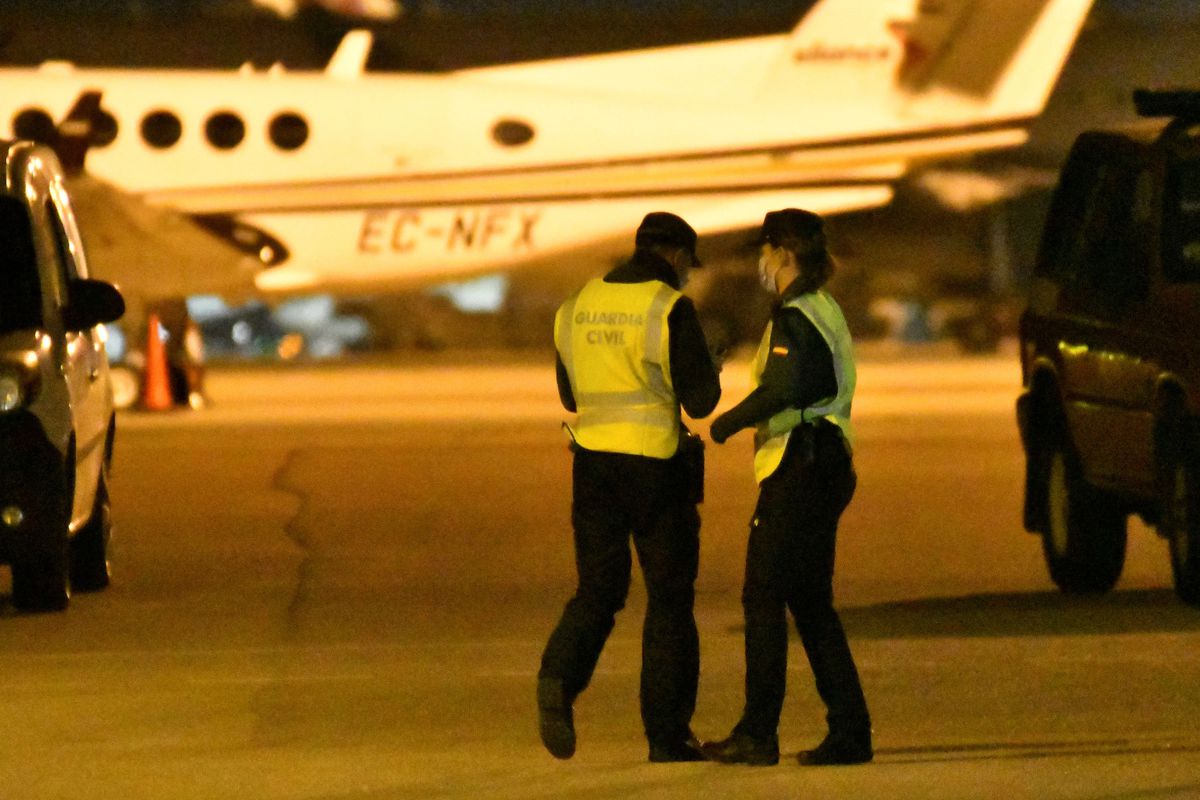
721, 429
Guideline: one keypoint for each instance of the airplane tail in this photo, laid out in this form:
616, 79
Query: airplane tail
966, 59
73, 136
349, 61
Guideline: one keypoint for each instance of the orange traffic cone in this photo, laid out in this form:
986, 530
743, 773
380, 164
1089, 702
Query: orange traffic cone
156, 381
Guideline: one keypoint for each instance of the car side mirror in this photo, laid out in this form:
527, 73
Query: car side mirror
91, 302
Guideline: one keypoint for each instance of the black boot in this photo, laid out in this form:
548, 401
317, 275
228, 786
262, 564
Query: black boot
688, 749
741, 748
556, 723
839, 748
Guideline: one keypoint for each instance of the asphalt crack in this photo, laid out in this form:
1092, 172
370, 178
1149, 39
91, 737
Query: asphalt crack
295, 532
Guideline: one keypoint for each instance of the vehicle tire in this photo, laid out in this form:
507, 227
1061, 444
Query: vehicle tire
1179, 523
89, 549
1084, 540
41, 579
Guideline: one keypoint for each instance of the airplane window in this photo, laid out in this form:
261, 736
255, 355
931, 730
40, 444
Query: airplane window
35, 124
512, 132
288, 131
161, 129
104, 129
225, 130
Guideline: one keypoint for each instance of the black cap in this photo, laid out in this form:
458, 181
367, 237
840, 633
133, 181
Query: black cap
802, 232
664, 228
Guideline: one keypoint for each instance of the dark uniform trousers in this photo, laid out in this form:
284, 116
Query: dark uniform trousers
789, 566
616, 495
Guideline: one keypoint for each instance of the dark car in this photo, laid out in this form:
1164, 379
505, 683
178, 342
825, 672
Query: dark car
56, 415
1110, 353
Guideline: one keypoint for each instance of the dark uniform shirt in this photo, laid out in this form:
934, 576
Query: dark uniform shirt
692, 371
798, 373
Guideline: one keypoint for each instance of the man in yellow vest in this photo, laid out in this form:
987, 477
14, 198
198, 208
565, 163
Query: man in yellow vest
630, 352
804, 378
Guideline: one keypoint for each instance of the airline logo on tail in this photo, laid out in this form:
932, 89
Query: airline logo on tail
845, 52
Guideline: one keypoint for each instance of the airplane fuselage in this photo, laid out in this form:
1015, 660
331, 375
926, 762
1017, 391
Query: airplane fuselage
366, 180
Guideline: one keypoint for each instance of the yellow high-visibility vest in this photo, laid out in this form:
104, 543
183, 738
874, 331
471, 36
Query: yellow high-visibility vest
771, 437
613, 340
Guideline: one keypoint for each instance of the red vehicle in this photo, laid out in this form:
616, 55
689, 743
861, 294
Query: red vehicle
1110, 353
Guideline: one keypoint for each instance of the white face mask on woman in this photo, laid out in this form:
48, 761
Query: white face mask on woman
769, 264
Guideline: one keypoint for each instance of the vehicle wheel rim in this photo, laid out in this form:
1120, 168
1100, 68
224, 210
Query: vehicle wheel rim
1058, 501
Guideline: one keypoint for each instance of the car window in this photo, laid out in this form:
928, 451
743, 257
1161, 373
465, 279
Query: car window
1064, 236
1181, 245
1082, 241
20, 292
1102, 254
1093, 239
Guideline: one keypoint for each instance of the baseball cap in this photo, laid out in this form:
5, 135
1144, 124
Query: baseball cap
802, 232
665, 228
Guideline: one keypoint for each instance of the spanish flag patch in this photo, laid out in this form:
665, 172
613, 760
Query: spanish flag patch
779, 350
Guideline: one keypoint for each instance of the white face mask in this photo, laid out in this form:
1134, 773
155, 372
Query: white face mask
684, 275
682, 263
766, 274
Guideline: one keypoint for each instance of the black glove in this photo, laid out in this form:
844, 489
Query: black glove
722, 428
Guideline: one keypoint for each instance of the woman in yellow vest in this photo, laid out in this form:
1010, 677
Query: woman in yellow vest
804, 380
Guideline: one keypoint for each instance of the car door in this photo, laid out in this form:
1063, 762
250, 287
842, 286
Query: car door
1107, 352
83, 365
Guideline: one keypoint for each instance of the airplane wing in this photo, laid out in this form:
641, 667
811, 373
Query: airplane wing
151, 252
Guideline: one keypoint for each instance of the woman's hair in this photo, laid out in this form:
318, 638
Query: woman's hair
802, 233
814, 263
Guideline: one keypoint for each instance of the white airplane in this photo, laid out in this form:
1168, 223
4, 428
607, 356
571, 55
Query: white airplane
358, 182
381, 10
